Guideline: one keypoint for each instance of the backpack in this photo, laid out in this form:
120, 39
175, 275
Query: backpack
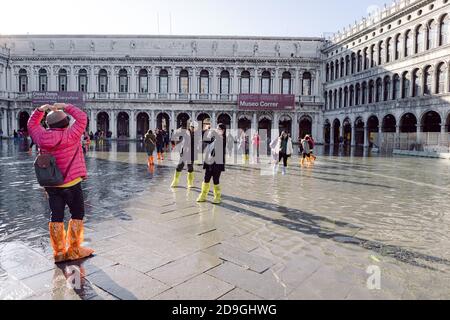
47, 172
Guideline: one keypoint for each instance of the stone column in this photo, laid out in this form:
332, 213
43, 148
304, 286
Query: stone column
443, 139
353, 142
332, 134
194, 87
296, 85
319, 130
174, 87
173, 122
73, 83
366, 137
113, 124
276, 86
112, 82
256, 83
234, 123
214, 120
295, 128
92, 82
235, 90
133, 82
214, 86
153, 84
52, 80
133, 125
5, 123
153, 121
419, 133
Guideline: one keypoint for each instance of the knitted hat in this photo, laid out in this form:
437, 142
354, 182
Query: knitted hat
55, 118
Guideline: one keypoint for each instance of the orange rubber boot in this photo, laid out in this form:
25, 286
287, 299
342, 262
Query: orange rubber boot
58, 241
75, 237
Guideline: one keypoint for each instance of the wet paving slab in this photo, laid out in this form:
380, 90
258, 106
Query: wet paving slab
316, 233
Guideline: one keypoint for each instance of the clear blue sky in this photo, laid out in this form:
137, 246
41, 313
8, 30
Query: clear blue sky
189, 17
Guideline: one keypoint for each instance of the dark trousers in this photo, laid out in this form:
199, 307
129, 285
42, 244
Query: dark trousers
181, 165
160, 148
213, 173
283, 156
58, 198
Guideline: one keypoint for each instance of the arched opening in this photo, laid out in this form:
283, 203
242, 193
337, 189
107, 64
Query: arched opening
336, 131
244, 123
305, 127
408, 123
327, 132
123, 125
359, 132
182, 120
163, 122
286, 83
62, 80
431, 122
373, 125
266, 83
265, 133
142, 125
23, 121
103, 122
389, 124
224, 119
204, 120
143, 81
225, 82
285, 124
347, 130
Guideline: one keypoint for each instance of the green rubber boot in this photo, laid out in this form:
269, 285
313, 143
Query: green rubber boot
205, 190
190, 180
217, 194
176, 180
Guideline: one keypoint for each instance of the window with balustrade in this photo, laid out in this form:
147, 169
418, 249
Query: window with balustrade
163, 82
123, 81
307, 84
103, 81
245, 82
82, 80
183, 82
203, 87
286, 83
225, 82
266, 83
23, 80
62, 80
43, 80
143, 81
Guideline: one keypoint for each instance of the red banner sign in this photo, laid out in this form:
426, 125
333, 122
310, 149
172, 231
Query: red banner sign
266, 102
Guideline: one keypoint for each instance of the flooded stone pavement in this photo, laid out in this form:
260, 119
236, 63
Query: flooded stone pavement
312, 234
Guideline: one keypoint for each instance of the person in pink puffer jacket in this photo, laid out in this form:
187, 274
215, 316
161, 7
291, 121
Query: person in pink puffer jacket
63, 142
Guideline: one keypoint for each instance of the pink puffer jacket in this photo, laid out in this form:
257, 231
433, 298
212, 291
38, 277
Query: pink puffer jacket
70, 145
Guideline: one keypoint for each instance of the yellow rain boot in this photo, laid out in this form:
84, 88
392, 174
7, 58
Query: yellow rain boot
176, 180
205, 190
190, 180
58, 241
159, 156
217, 194
302, 162
75, 237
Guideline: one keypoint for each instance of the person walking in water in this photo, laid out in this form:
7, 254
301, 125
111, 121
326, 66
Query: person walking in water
160, 144
63, 142
214, 163
284, 149
188, 153
150, 145
312, 145
306, 150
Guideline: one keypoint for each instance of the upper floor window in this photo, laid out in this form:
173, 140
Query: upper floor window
23, 80
43, 80
441, 74
332, 71
123, 81
366, 59
371, 91
345, 97
143, 81
62, 80
364, 93
378, 89
388, 50
372, 56
416, 83
342, 70
381, 53
225, 82
387, 88
82, 80
103, 81
397, 48
245, 82
445, 30
163, 81
337, 69
360, 61
327, 72
204, 82
408, 43
352, 96
396, 87
307, 83
357, 94
183, 82
406, 85
432, 32
286, 87
427, 80
347, 65
420, 34
266, 83
353, 63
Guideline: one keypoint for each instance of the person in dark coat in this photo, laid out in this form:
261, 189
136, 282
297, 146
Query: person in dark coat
160, 144
214, 163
